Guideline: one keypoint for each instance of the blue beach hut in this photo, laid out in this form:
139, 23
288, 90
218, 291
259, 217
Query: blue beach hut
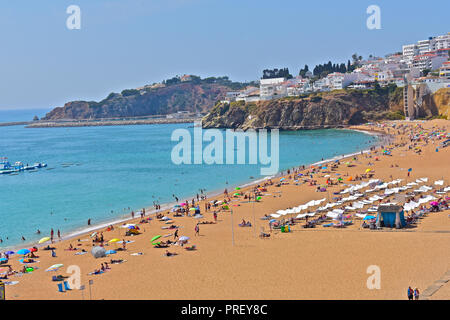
391, 216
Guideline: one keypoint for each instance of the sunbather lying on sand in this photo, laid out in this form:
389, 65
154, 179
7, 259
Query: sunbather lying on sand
112, 261
161, 245
170, 254
96, 272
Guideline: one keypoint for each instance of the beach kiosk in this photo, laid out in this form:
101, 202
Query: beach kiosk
391, 216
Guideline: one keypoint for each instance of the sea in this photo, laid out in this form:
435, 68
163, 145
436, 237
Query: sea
103, 173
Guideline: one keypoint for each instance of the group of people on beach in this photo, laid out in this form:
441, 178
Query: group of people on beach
413, 294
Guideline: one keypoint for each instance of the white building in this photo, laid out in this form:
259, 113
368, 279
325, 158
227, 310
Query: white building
444, 70
425, 46
409, 51
442, 42
272, 88
428, 61
337, 80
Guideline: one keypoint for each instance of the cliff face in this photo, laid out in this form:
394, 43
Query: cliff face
159, 101
332, 109
437, 103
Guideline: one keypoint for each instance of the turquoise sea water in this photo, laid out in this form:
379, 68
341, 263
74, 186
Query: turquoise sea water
98, 172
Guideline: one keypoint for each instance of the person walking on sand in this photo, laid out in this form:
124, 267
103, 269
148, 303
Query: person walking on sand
59, 235
416, 294
410, 293
197, 230
215, 216
89, 222
51, 235
175, 236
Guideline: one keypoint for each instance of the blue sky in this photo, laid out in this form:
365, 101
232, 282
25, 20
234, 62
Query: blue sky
126, 44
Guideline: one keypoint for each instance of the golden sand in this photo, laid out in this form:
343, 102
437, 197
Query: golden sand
319, 263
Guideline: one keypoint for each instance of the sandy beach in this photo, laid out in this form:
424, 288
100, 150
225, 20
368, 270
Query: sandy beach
316, 263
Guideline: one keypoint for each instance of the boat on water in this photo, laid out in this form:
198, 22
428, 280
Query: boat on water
7, 168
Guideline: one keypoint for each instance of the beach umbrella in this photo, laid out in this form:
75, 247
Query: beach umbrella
33, 249
114, 240
258, 198
3, 260
349, 178
110, 252
434, 203
369, 217
183, 238
23, 251
272, 220
45, 239
93, 234
237, 188
192, 209
98, 252
155, 238
54, 267
368, 170
282, 179
183, 204
9, 252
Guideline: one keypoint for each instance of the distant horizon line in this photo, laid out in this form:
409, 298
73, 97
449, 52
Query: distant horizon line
20, 108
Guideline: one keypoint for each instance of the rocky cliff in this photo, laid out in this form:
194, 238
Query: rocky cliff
437, 103
321, 110
189, 96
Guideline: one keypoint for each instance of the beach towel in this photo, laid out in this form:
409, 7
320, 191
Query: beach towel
137, 254
22, 261
10, 283
80, 253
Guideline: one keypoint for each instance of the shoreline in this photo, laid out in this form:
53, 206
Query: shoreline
320, 263
86, 230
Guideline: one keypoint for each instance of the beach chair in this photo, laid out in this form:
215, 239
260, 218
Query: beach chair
66, 286
60, 287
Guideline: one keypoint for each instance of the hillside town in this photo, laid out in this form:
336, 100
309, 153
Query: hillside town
424, 64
